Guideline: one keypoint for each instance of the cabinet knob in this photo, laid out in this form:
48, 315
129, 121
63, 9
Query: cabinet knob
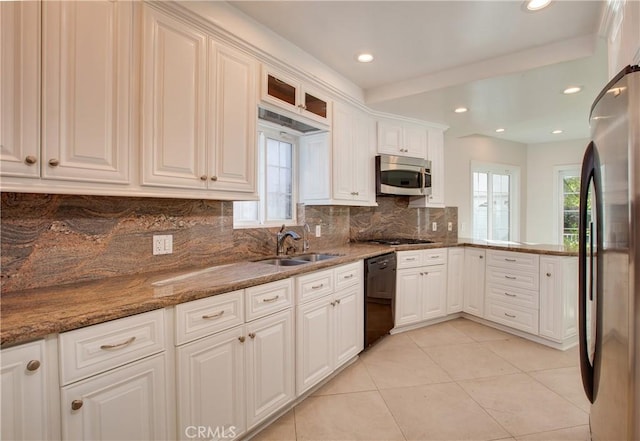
242, 338
333, 303
214, 178
482, 257
338, 301
252, 335
33, 365
54, 162
203, 178
30, 160
548, 274
76, 404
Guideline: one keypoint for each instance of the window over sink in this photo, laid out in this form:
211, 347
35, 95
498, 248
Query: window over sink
277, 182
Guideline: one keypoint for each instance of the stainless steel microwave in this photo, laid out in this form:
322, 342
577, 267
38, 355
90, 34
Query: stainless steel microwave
400, 175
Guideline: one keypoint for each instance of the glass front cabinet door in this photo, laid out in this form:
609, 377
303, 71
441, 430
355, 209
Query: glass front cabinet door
290, 94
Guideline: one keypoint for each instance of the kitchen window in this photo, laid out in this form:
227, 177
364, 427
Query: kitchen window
568, 203
276, 183
495, 201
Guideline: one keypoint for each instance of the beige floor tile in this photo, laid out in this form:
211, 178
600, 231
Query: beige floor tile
522, 405
479, 332
440, 334
403, 366
354, 416
354, 378
283, 429
529, 356
579, 433
566, 382
440, 412
467, 361
390, 342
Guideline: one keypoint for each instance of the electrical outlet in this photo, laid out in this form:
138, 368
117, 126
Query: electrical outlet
434, 226
318, 230
450, 226
162, 244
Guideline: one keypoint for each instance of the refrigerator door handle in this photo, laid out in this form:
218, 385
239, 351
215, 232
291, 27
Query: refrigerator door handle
589, 253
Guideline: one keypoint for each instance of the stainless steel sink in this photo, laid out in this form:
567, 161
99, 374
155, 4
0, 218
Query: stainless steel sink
315, 257
284, 262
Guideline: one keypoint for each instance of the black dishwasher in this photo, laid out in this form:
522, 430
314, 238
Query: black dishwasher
380, 297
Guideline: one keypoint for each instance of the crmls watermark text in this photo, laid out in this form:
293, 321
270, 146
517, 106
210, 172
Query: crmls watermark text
208, 432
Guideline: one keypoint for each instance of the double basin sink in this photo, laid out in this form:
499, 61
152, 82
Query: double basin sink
298, 260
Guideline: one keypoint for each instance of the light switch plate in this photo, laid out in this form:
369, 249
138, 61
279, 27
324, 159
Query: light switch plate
162, 244
434, 226
318, 231
450, 226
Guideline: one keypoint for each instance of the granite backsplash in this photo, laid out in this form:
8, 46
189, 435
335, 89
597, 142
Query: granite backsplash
56, 239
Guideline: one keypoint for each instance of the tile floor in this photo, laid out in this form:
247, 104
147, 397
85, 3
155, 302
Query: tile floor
457, 380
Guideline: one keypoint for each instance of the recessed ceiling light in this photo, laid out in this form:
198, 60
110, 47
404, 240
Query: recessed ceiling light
536, 5
571, 90
461, 110
557, 132
365, 58
500, 130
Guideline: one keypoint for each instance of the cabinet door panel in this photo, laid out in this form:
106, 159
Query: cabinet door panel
270, 366
174, 103
455, 280
124, 404
87, 71
390, 139
314, 345
349, 327
234, 107
343, 167
408, 296
20, 88
211, 383
434, 300
415, 141
362, 158
474, 281
24, 394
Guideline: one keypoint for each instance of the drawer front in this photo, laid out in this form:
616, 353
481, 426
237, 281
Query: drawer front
88, 351
434, 257
409, 259
513, 278
349, 275
271, 297
524, 319
513, 261
206, 316
513, 296
315, 285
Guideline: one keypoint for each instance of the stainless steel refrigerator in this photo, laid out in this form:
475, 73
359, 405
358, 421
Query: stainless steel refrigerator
609, 261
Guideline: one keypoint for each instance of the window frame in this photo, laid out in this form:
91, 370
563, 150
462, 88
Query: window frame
559, 173
514, 190
266, 131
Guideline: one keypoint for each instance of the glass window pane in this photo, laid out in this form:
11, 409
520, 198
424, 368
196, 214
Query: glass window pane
281, 90
273, 152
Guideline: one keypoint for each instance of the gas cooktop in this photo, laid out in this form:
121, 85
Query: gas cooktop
400, 241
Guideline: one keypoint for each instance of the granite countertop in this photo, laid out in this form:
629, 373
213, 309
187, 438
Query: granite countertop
30, 314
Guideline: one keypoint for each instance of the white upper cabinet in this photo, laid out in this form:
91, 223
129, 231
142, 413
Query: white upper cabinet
402, 139
435, 154
87, 72
293, 95
199, 109
20, 89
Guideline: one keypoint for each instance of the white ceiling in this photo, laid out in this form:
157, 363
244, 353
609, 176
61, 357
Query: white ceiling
507, 66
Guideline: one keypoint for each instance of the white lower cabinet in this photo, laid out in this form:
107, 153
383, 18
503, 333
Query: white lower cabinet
455, 280
25, 395
329, 329
474, 277
558, 297
421, 286
124, 404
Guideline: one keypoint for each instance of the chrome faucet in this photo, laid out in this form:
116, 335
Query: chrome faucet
306, 230
282, 237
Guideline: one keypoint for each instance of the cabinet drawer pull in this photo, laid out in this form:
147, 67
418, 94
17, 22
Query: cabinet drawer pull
54, 162
435, 257
252, 335
350, 276
242, 338
76, 404
30, 160
410, 258
212, 316
509, 315
272, 299
118, 345
510, 260
214, 178
203, 178
33, 365
510, 277
510, 295
317, 286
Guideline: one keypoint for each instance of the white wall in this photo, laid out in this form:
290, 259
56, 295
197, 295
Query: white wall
458, 154
542, 210
621, 25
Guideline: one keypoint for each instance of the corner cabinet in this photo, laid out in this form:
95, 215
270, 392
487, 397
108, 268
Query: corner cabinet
339, 168
199, 109
294, 96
